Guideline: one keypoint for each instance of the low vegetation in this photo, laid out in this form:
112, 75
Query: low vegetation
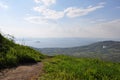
12, 54
70, 68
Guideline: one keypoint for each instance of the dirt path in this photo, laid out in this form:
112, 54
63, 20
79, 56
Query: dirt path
24, 72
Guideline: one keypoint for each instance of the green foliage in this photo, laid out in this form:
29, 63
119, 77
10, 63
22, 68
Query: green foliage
11, 60
71, 68
12, 54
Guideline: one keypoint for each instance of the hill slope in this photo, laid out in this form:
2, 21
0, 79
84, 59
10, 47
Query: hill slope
71, 68
107, 50
12, 54
57, 68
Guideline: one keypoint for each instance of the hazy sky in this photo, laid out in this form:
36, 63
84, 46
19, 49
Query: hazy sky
60, 18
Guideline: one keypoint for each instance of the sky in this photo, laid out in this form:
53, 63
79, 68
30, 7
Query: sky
60, 18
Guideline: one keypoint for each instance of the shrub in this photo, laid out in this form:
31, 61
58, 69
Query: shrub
11, 60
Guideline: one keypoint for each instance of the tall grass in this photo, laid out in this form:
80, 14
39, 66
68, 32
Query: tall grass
12, 54
71, 68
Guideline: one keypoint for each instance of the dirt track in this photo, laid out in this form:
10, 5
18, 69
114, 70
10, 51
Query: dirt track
24, 72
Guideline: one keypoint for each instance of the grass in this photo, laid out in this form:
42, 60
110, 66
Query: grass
12, 54
71, 68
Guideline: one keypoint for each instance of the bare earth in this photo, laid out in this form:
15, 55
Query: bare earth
24, 72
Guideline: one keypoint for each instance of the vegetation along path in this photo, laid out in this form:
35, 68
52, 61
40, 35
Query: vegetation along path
23, 72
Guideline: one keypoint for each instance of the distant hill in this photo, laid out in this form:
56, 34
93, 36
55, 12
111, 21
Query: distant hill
106, 50
12, 54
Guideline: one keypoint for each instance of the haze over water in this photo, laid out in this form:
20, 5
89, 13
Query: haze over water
58, 42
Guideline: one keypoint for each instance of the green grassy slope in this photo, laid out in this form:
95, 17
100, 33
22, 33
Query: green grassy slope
71, 68
12, 54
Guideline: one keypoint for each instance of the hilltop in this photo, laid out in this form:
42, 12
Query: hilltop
59, 67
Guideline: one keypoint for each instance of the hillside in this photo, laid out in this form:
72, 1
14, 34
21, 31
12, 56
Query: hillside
12, 54
59, 67
71, 68
106, 50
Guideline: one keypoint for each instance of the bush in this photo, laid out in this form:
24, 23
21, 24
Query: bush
11, 60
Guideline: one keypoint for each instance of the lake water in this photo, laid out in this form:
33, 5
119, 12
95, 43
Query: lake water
56, 42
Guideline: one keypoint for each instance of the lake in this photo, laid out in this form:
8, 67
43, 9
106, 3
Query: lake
57, 42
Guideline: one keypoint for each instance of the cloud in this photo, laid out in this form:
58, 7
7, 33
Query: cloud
76, 12
3, 6
97, 20
37, 1
40, 20
43, 28
36, 20
46, 2
108, 29
48, 13
70, 12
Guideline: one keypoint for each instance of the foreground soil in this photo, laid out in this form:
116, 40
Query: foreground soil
23, 72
